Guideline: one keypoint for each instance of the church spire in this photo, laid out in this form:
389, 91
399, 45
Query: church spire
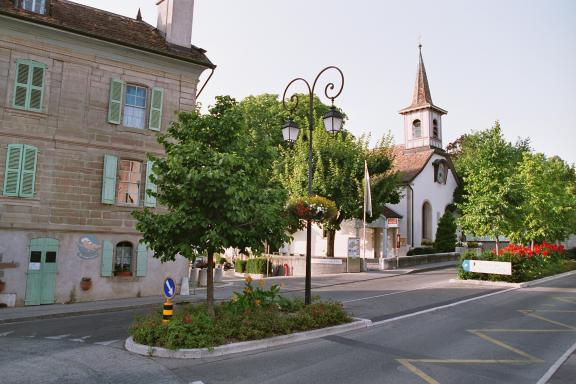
421, 98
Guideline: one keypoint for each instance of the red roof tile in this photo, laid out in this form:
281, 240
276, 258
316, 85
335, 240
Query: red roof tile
93, 22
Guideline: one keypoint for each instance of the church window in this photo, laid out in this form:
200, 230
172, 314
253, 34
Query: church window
426, 222
435, 128
416, 128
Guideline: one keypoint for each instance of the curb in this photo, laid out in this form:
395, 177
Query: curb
245, 346
504, 284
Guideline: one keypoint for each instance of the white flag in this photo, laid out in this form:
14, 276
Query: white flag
367, 194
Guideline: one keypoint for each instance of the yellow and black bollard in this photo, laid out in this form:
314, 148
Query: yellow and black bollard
168, 311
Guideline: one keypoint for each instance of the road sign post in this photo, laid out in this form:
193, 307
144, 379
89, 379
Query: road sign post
169, 289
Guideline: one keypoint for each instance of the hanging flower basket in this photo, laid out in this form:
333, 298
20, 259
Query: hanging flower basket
315, 208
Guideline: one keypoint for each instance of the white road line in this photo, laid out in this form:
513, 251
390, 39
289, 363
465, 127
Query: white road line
550, 372
32, 335
108, 342
196, 382
6, 333
442, 307
391, 293
59, 337
80, 339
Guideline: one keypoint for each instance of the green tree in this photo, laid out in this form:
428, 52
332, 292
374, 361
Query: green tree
446, 233
338, 165
217, 188
549, 193
491, 193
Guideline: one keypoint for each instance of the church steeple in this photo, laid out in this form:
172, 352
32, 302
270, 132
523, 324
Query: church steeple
422, 119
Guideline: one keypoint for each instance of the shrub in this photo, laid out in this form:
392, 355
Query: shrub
240, 266
446, 234
527, 264
421, 251
257, 265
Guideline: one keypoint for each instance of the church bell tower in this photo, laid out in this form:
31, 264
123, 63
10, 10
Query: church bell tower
422, 119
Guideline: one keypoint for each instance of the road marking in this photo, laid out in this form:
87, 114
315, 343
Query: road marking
532, 314
393, 293
107, 342
552, 370
409, 363
59, 337
6, 333
381, 322
196, 382
506, 346
80, 339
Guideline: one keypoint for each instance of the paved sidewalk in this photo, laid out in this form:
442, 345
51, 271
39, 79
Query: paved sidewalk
15, 314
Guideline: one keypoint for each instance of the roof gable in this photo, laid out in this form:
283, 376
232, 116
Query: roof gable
99, 24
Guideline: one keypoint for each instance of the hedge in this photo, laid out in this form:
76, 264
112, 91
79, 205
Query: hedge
257, 265
240, 266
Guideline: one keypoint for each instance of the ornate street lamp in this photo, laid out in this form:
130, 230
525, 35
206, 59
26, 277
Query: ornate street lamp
333, 124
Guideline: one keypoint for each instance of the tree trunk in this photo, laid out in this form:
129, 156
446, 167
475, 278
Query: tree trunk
497, 245
330, 238
210, 284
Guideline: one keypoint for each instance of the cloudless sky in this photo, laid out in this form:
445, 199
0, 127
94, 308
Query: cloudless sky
513, 60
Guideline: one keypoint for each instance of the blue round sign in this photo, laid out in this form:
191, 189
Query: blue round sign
169, 288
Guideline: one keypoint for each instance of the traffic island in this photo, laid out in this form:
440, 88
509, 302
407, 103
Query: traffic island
245, 346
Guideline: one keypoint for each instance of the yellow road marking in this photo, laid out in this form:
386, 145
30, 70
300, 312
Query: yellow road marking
408, 363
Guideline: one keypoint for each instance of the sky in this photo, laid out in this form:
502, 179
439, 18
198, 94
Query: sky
512, 61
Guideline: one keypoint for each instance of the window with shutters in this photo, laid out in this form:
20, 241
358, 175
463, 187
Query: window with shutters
20, 170
123, 259
129, 178
29, 85
135, 106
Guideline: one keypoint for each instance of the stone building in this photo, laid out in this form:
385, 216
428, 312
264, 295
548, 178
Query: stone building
83, 94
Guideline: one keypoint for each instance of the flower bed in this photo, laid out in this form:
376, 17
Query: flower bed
527, 264
254, 314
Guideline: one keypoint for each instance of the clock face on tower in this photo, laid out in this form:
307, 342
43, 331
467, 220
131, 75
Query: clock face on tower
441, 173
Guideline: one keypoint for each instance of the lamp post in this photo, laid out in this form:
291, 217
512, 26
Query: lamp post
332, 123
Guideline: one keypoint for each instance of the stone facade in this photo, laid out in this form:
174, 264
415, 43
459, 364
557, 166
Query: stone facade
72, 135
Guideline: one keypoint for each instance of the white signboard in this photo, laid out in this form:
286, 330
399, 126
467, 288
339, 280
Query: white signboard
34, 266
327, 261
483, 266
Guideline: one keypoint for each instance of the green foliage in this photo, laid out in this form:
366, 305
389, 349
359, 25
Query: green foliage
217, 187
523, 268
491, 200
421, 251
257, 265
251, 315
240, 266
446, 234
549, 195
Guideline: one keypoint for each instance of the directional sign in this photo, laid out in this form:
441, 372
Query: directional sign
483, 266
169, 288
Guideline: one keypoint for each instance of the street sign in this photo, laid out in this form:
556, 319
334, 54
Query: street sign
483, 266
169, 288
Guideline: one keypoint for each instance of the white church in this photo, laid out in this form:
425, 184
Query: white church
428, 183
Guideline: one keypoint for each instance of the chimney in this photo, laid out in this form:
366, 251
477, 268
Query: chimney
175, 21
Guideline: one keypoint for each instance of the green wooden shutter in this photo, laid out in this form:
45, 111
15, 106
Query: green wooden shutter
115, 102
36, 88
156, 101
149, 201
109, 179
13, 167
107, 258
21, 84
28, 173
142, 260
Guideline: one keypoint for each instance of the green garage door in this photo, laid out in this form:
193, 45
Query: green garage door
42, 267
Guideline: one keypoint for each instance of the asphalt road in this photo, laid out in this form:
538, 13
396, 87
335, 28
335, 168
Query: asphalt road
508, 337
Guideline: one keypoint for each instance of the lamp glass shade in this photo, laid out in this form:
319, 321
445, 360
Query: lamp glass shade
290, 131
332, 120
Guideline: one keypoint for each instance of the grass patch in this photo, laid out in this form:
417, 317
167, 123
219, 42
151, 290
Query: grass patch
251, 315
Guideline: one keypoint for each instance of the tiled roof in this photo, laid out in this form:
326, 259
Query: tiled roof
389, 213
409, 163
422, 97
107, 26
